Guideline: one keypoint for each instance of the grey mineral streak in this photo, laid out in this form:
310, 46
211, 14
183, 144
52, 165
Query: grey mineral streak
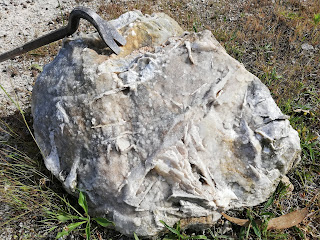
171, 129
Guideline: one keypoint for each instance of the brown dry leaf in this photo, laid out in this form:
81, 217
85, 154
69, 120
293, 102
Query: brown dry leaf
305, 112
238, 221
282, 222
301, 110
288, 220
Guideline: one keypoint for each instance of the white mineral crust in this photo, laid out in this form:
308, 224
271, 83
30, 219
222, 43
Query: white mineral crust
172, 128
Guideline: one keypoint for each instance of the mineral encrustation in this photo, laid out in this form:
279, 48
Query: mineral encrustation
171, 129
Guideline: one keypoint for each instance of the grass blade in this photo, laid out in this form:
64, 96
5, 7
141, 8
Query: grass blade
103, 222
256, 229
69, 228
135, 236
199, 237
73, 226
83, 202
171, 229
61, 234
88, 232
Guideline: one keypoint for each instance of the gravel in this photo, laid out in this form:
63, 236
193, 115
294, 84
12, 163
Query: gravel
23, 21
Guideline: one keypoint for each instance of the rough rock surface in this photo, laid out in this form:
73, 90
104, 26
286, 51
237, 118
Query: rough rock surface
172, 128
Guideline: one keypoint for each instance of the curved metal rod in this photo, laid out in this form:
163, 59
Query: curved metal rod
107, 32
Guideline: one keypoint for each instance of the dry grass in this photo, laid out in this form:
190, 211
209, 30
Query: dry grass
268, 39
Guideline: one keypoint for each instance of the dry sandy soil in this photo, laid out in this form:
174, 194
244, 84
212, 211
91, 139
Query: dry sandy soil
22, 21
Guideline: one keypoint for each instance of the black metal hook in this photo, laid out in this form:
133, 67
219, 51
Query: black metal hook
107, 32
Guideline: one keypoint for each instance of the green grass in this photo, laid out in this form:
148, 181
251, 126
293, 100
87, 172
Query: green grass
316, 18
177, 233
266, 37
79, 219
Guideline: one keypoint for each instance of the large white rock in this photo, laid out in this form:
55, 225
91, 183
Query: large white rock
172, 128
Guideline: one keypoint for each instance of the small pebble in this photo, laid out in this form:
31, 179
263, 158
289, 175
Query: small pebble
307, 47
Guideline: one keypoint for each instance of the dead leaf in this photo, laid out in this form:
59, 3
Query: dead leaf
238, 221
288, 220
304, 112
299, 110
282, 222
